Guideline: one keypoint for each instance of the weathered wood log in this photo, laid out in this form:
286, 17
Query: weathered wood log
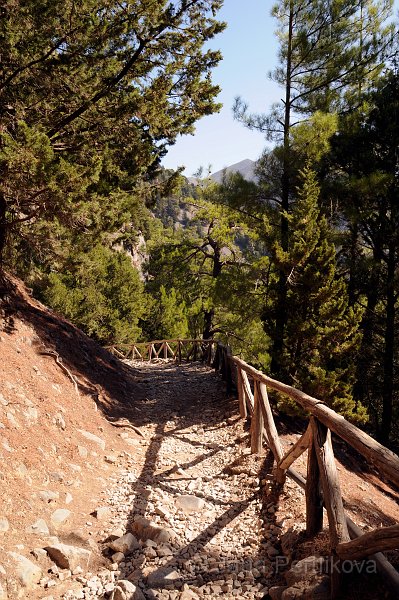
249, 398
386, 461
332, 496
241, 394
297, 449
137, 353
170, 349
382, 563
257, 423
388, 571
119, 354
314, 499
330, 484
378, 540
271, 430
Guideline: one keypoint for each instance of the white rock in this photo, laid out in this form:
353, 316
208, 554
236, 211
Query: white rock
93, 438
124, 544
4, 525
59, 421
82, 451
126, 590
3, 593
117, 557
102, 512
40, 528
111, 459
59, 516
31, 415
48, 495
13, 421
190, 503
69, 557
27, 572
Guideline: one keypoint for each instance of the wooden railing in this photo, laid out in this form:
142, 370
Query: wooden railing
179, 350
322, 486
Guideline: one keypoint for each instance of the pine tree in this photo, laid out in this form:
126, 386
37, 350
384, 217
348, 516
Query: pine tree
91, 95
321, 335
328, 51
102, 293
362, 169
209, 264
167, 318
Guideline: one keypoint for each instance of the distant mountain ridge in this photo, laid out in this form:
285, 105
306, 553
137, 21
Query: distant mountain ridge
245, 167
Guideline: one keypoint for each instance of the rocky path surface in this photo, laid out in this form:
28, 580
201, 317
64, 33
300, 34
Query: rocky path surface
199, 485
185, 512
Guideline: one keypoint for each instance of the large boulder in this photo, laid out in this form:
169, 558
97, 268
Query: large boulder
69, 557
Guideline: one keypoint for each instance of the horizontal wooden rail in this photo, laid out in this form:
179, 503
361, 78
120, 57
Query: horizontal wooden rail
176, 349
378, 540
386, 461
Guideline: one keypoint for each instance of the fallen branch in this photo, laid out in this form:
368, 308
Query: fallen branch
125, 423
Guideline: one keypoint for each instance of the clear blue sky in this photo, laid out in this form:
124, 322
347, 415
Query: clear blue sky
249, 48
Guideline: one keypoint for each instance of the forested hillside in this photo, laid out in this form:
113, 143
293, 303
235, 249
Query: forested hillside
296, 268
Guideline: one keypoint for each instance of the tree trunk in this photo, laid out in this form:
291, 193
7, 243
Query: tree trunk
281, 309
217, 266
368, 329
208, 324
389, 349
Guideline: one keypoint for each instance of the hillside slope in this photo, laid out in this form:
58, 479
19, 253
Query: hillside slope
57, 450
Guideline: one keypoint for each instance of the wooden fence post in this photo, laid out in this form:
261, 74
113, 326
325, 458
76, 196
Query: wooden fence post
216, 359
314, 499
257, 423
248, 392
332, 499
179, 351
271, 430
209, 354
241, 394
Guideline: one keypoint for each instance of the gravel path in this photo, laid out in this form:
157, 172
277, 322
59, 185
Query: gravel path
198, 481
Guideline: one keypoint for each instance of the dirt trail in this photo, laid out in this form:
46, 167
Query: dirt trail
198, 449
228, 543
